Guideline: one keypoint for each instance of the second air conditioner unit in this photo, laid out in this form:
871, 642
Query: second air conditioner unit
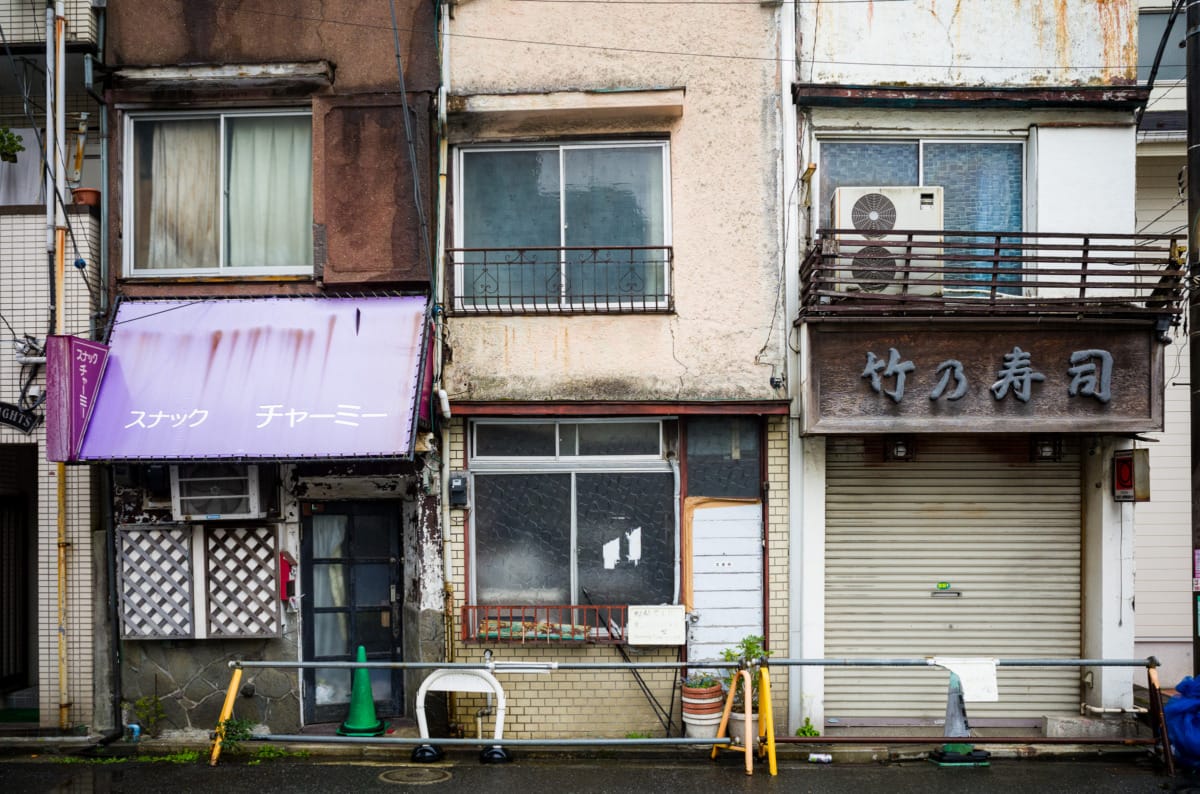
878, 214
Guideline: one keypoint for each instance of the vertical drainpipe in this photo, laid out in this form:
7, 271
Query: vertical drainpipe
789, 196
57, 154
438, 292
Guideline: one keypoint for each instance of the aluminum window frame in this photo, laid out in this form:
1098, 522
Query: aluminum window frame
573, 465
959, 136
562, 147
221, 269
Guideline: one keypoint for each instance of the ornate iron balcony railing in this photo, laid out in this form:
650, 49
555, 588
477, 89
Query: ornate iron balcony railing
854, 273
579, 280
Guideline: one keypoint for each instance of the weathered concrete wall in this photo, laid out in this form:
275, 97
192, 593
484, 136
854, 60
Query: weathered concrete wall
996, 43
724, 340
356, 37
365, 220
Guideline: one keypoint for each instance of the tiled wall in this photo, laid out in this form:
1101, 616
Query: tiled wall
24, 303
609, 703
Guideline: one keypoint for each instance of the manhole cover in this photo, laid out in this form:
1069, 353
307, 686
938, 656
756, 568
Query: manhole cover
416, 775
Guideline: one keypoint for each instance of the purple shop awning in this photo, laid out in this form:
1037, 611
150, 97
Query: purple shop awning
263, 378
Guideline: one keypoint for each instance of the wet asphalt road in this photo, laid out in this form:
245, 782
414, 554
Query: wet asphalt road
463, 773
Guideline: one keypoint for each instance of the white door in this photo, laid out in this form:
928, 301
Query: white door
726, 578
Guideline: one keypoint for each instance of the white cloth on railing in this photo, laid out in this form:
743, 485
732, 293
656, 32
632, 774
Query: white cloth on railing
978, 676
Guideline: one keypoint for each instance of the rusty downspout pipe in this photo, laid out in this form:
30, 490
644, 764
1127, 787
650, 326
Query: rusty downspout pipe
60, 241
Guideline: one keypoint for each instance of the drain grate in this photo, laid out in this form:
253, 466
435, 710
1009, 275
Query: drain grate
416, 775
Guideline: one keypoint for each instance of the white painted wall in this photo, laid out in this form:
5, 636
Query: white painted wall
1163, 545
1085, 179
999, 42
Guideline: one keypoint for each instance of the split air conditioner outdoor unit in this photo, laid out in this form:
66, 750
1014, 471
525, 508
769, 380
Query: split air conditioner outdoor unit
874, 212
215, 492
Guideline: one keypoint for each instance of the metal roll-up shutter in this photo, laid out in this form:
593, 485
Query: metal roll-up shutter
976, 514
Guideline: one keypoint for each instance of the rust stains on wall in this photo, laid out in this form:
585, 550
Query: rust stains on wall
1118, 31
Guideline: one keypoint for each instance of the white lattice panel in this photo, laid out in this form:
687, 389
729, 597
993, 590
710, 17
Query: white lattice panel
156, 582
242, 586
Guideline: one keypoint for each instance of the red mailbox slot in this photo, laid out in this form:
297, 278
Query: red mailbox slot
287, 576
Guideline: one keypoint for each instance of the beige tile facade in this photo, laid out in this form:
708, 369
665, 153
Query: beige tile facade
24, 303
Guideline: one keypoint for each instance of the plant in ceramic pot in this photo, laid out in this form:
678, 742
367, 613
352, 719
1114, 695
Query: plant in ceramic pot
703, 702
10, 144
749, 652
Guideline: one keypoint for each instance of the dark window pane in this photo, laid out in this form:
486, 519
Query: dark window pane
1173, 66
371, 583
374, 630
371, 537
523, 538
618, 438
722, 457
511, 201
626, 532
514, 440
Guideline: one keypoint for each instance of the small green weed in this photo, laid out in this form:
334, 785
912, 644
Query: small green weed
232, 732
807, 729
637, 735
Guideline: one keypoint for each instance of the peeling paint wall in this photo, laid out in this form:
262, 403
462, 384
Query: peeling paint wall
724, 340
968, 42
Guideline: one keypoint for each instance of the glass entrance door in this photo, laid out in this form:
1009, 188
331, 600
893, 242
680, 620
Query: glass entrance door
350, 596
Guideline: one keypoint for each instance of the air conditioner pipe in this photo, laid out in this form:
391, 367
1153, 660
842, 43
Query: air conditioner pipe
1087, 708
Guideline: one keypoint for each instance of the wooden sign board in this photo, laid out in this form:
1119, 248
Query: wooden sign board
944, 378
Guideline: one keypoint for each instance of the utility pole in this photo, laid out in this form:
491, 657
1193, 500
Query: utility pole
1193, 298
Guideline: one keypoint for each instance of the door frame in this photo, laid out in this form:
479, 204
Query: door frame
391, 511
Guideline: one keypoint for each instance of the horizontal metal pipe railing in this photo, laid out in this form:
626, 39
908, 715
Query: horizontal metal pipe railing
526, 666
288, 737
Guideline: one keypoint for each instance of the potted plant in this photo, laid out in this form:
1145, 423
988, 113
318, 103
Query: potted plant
749, 652
10, 144
703, 702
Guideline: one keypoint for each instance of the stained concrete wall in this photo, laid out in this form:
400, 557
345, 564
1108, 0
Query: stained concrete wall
994, 43
724, 340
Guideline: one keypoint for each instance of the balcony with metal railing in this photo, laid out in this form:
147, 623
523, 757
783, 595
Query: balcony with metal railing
24, 23
849, 273
566, 280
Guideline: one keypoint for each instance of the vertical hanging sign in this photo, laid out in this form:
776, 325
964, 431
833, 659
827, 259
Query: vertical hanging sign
74, 368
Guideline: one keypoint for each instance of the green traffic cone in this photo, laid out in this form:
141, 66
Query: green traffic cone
362, 720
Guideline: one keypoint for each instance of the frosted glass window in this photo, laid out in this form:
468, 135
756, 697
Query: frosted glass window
865, 163
626, 537
523, 538
723, 457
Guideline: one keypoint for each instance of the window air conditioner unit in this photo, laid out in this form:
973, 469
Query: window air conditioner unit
215, 492
874, 212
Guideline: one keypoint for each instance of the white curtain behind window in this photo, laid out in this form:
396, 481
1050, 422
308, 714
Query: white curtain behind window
270, 191
183, 198
21, 182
